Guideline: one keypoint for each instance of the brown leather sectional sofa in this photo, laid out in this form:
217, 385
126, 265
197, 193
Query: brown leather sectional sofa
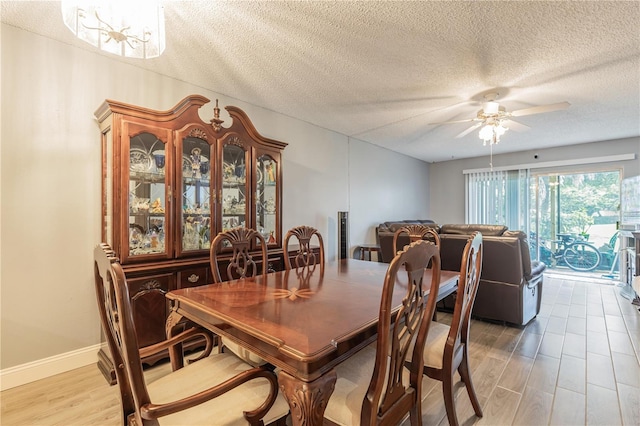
510, 284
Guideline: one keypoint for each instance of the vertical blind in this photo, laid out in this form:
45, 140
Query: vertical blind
498, 198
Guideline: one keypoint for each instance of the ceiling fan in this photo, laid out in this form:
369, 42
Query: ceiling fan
494, 119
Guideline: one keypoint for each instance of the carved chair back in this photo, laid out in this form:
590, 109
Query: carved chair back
468, 282
242, 263
114, 306
416, 232
402, 336
305, 257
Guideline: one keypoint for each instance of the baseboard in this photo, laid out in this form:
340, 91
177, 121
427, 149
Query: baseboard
47, 367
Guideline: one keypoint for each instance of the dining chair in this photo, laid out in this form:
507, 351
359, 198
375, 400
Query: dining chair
218, 389
447, 347
416, 232
305, 256
373, 387
241, 265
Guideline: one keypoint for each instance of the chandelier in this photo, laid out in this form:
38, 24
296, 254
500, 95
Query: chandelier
491, 131
129, 28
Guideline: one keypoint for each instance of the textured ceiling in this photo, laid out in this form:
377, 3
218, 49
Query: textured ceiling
382, 71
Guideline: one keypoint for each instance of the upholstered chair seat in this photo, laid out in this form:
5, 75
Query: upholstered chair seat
351, 387
224, 410
434, 348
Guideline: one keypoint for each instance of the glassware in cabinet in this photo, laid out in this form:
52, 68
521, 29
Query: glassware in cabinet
196, 194
147, 192
267, 198
233, 196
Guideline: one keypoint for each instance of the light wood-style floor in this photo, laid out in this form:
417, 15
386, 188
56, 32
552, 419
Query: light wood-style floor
577, 363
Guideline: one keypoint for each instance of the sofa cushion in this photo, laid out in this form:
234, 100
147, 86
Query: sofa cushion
393, 225
468, 229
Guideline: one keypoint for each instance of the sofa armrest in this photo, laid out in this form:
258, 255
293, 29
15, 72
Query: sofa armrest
537, 268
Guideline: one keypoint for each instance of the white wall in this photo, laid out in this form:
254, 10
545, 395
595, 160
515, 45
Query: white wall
383, 184
50, 184
446, 181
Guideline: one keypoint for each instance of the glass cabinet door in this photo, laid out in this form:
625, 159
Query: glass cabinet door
234, 186
267, 198
147, 194
196, 194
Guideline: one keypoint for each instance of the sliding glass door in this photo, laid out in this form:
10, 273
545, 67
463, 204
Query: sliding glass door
574, 221
570, 218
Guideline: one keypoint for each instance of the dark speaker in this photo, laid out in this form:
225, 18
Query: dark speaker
343, 235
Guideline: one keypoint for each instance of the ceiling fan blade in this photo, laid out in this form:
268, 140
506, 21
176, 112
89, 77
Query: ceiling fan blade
514, 125
469, 130
468, 120
540, 109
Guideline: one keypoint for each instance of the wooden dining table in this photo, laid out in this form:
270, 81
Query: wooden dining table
303, 323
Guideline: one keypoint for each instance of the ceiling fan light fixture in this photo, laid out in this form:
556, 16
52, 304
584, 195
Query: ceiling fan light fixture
491, 108
491, 132
122, 27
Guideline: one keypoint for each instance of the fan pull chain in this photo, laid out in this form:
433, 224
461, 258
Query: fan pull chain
491, 156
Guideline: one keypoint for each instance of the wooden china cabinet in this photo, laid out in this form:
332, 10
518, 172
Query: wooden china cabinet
170, 183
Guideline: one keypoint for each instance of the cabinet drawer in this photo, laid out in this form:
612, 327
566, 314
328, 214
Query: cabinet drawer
194, 277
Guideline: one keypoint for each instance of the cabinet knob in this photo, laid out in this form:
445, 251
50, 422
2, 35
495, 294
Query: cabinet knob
193, 278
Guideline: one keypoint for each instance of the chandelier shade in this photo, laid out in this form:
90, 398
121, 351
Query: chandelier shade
133, 29
491, 132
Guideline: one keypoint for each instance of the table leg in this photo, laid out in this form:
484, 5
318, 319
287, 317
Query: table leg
307, 400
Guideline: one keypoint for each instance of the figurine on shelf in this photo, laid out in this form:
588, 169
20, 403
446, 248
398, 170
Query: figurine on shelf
154, 239
156, 206
272, 239
195, 162
229, 171
271, 175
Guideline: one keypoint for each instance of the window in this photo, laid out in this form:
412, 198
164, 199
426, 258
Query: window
498, 198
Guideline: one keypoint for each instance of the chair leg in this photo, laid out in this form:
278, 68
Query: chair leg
465, 375
415, 414
449, 402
